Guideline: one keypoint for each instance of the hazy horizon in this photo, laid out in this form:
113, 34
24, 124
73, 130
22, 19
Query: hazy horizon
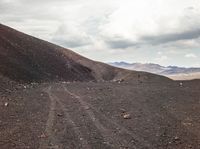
160, 32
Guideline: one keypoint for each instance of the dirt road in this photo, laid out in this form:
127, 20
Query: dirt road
91, 116
111, 134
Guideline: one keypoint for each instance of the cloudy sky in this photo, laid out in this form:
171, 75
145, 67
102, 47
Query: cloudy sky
157, 31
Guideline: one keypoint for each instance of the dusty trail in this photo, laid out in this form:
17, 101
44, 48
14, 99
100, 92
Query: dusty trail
75, 128
84, 126
106, 133
44, 143
51, 140
112, 137
71, 116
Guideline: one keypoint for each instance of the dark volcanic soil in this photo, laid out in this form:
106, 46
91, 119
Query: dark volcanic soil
91, 115
104, 108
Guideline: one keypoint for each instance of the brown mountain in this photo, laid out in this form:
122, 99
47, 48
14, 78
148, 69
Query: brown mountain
24, 58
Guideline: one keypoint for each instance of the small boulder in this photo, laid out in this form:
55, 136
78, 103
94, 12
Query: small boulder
42, 136
181, 84
6, 104
59, 114
127, 116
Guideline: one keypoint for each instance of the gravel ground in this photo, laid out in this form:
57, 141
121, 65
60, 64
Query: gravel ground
104, 115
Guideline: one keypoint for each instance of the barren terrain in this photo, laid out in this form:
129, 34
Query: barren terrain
91, 115
53, 98
190, 76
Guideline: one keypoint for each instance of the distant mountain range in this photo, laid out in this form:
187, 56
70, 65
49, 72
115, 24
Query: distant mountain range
169, 71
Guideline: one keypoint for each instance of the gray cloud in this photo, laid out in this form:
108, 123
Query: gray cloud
191, 8
69, 36
166, 38
120, 43
73, 43
92, 25
172, 40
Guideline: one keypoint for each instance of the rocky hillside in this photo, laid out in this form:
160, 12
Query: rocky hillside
24, 58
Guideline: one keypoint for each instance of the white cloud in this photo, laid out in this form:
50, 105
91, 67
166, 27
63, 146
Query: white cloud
70, 35
175, 51
161, 59
190, 55
159, 53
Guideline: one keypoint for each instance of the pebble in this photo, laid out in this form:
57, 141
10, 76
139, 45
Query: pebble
6, 104
127, 116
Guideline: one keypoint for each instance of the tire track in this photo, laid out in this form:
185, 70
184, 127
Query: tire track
44, 143
83, 142
108, 135
121, 129
112, 135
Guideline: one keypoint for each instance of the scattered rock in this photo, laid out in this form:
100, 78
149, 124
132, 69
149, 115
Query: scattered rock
119, 81
6, 104
86, 108
181, 84
42, 136
187, 123
122, 110
8, 90
59, 114
189, 146
127, 116
176, 138
54, 146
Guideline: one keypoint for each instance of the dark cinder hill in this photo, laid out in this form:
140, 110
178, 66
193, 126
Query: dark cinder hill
145, 111
24, 58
